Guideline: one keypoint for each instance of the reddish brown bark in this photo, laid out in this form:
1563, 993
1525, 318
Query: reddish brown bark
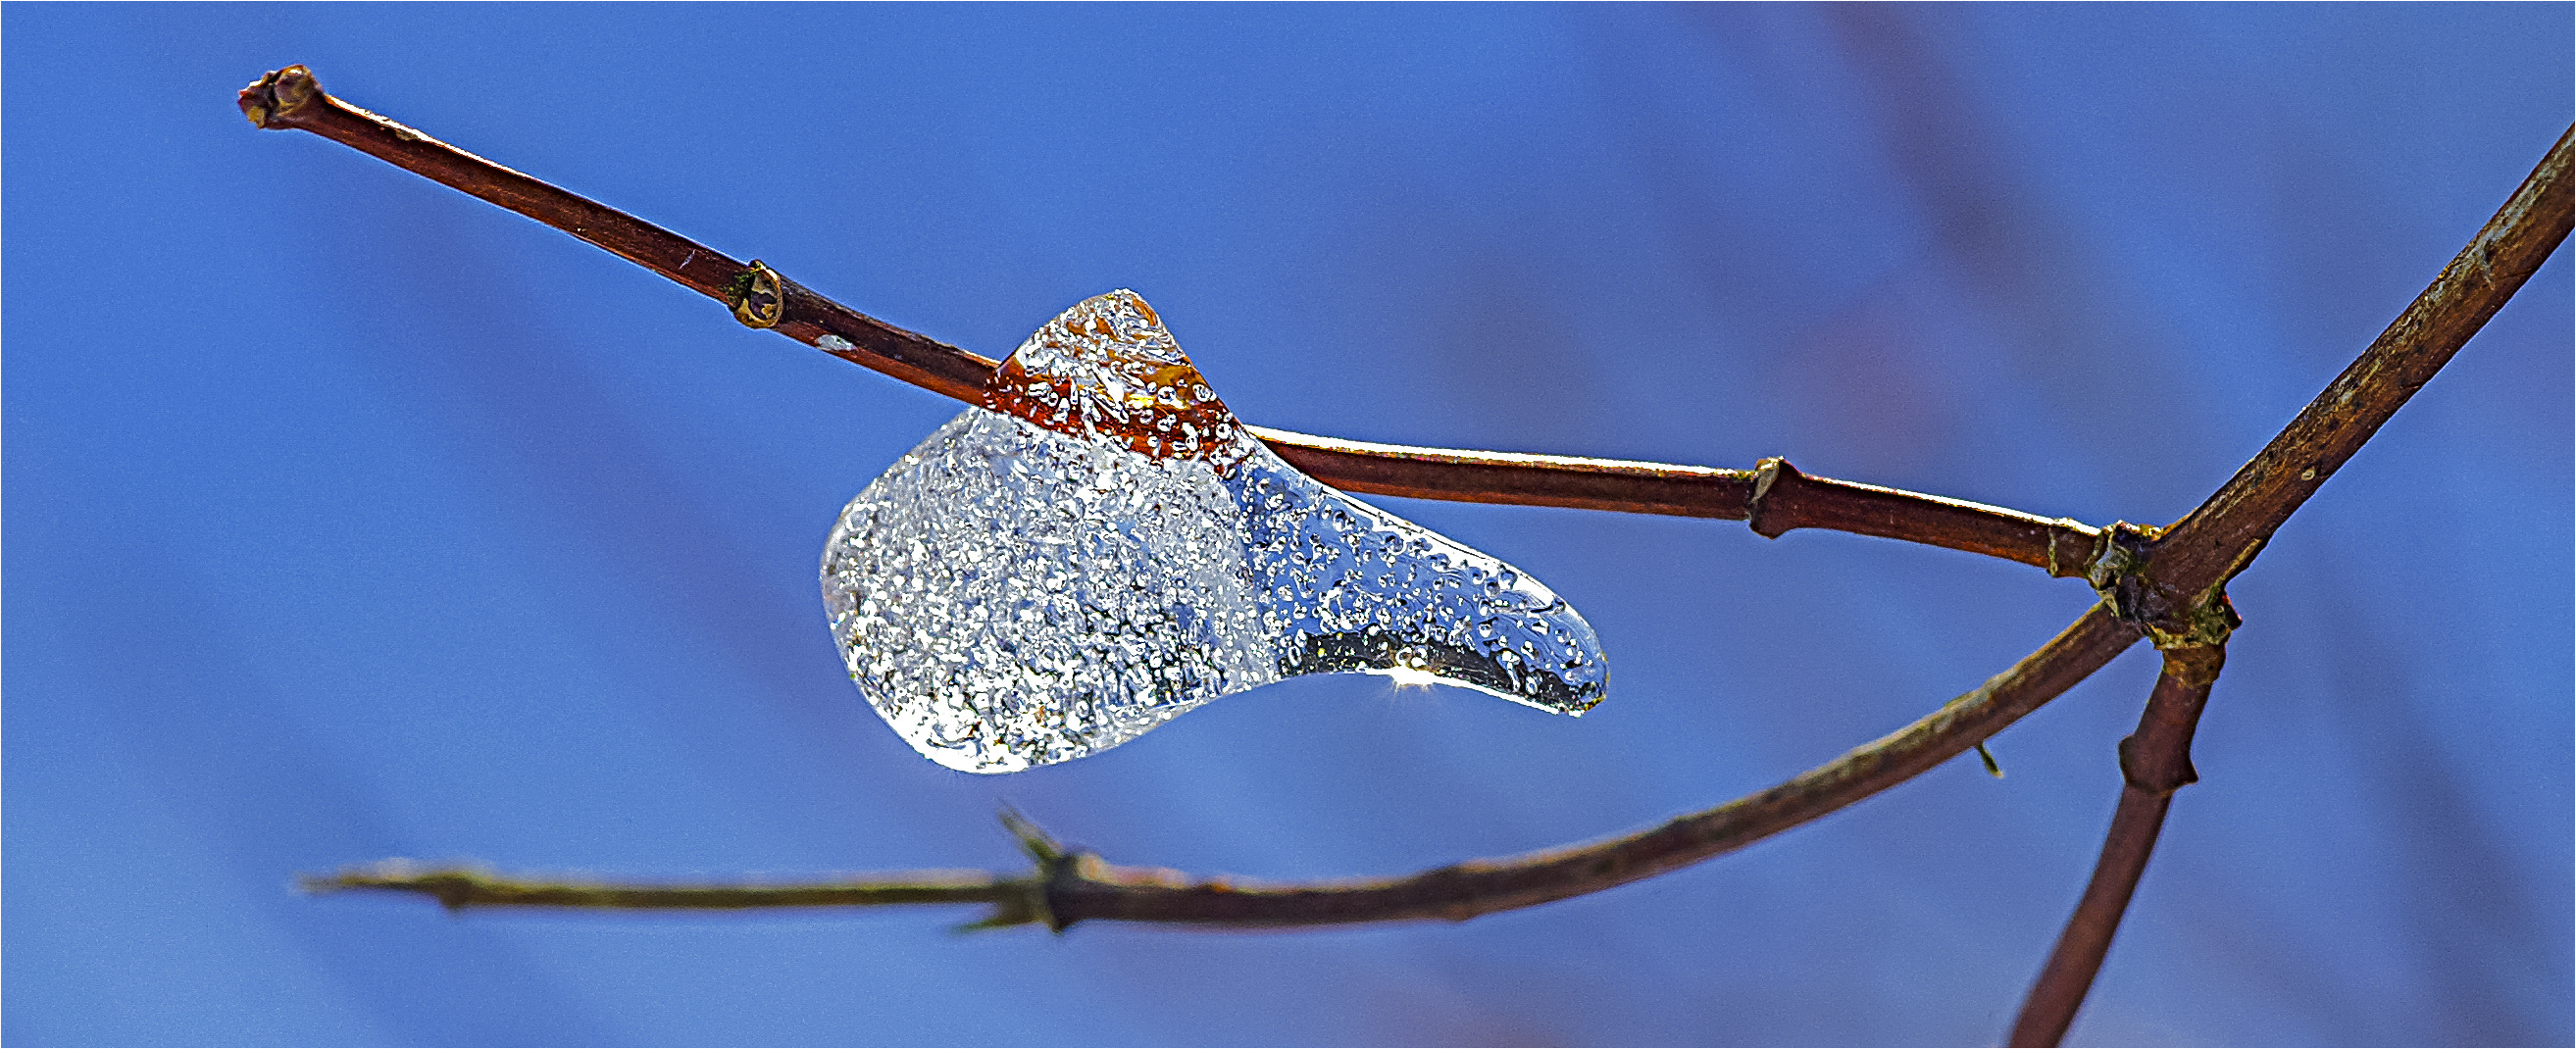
2155, 761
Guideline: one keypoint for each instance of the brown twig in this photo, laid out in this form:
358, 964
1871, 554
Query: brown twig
2220, 537
461, 886
1015, 901
1086, 888
291, 98
2173, 583
2141, 581
2155, 761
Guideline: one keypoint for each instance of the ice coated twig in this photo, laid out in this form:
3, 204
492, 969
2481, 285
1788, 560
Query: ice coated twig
291, 98
2434, 327
2167, 584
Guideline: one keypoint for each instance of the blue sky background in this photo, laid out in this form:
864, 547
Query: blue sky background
348, 517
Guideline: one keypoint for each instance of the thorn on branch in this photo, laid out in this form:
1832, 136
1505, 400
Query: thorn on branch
1033, 840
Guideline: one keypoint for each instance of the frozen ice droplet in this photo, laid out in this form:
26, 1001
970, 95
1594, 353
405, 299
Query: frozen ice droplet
1103, 547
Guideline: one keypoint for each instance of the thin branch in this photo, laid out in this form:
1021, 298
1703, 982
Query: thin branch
461, 887
1087, 888
2219, 538
1015, 901
2176, 587
291, 98
2448, 312
1468, 890
2155, 761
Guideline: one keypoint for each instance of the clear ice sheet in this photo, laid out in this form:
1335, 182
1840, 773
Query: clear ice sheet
1104, 547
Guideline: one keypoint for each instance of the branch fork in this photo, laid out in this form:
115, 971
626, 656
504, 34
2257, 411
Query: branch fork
2119, 571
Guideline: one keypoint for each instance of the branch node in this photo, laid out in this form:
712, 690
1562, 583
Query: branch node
2157, 757
2118, 572
2068, 558
1757, 511
1057, 867
757, 297
2135, 770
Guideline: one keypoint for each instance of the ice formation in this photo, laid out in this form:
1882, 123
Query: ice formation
1102, 547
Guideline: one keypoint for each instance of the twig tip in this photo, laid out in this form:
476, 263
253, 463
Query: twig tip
269, 100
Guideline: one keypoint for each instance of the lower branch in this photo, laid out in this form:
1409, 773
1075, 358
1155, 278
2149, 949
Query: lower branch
460, 887
2155, 761
1081, 887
